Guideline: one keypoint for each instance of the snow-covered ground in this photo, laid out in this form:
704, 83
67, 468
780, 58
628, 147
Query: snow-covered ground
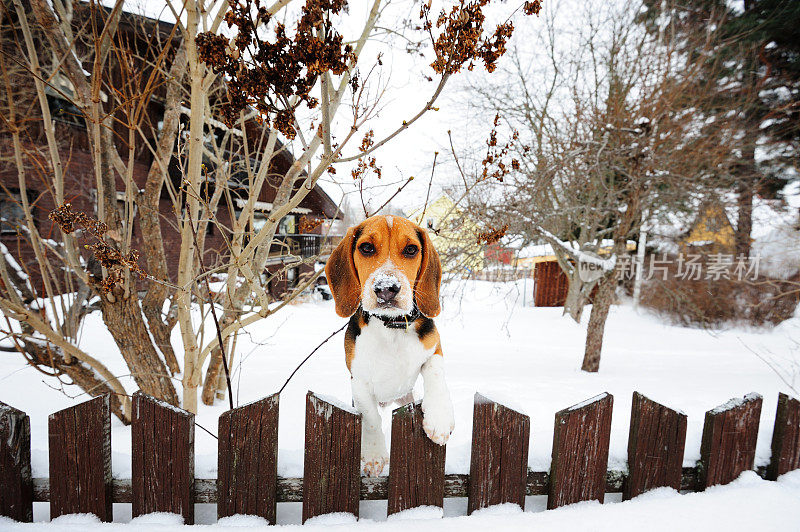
527, 357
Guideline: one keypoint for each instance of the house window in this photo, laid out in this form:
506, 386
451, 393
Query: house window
65, 111
259, 221
288, 225
12, 216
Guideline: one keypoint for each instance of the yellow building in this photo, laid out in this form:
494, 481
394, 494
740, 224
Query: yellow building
711, 231
453, 233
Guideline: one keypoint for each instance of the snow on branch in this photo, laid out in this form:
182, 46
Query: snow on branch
607, 265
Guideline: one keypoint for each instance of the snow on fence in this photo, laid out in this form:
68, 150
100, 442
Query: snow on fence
163, 458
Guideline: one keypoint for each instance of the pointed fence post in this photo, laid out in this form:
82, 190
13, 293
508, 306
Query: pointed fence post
580, 452
80, 459
247, 466
785, 438
729, 440
331, 477
416, 472
162, 437
655, 447
498, 470
16, 484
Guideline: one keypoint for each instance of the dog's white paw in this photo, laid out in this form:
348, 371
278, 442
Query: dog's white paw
374, 456
437, 418
373, 463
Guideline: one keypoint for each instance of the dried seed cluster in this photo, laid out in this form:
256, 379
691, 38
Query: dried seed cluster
492, 235
462, 40
309, 224
266, 69
266, 72
366, 164
494, 165
108, 256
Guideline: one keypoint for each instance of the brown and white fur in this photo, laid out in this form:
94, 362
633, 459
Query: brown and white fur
385, 275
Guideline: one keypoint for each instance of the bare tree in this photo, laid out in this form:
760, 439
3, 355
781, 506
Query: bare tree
228, 104
613, 139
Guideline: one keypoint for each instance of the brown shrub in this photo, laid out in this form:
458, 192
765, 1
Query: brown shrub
710, 302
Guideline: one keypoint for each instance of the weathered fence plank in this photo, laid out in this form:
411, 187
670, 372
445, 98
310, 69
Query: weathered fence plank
248, 460
162, 458
331, 480
655, 447
80, 459
416, 472
16, 484
729, 440
785, 438
499, 464
580, 452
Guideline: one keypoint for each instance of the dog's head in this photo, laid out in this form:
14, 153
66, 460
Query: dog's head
387, 264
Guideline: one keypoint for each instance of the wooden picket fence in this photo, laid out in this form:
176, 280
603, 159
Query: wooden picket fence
163, 458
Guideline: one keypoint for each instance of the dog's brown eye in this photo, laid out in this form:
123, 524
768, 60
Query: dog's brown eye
366, 248
410, 250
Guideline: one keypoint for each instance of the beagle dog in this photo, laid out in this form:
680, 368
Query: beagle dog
385, 276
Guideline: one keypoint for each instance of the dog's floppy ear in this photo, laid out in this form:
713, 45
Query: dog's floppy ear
429, 278
342, 276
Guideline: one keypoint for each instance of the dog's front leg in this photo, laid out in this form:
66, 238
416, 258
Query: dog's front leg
438, 420
373, 445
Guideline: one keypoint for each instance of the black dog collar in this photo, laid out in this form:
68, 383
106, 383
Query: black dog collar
398, 322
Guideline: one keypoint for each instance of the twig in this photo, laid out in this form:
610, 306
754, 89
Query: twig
398, 191
428, 194
213, 315
771, 366
196, 424
334, 333
361, 195
455, 157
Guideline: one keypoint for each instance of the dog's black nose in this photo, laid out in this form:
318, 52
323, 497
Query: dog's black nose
386, 292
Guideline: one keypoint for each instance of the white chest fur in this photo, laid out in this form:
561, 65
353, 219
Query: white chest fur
388, 360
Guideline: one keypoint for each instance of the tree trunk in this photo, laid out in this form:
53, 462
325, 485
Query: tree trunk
744, 202
601, 305
187, 261
575, 301
150, 215
76, 313
597, 323
212, 376
121, 313
126, 324
211, 383
640, 250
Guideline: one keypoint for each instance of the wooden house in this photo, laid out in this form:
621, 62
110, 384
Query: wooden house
136, 35
711, 231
